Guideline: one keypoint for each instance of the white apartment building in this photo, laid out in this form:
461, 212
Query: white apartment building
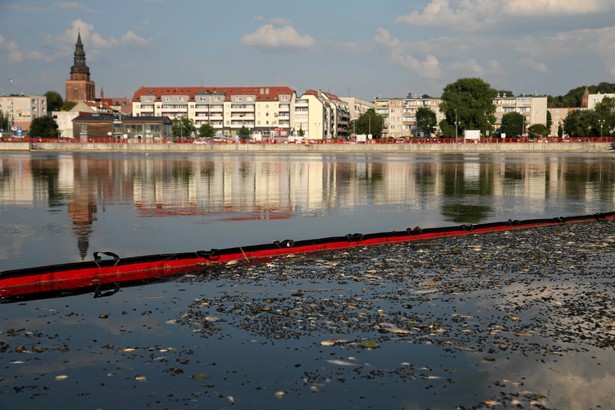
22, 109
533, 109
400, 114
267, 110
593, 99
321, 115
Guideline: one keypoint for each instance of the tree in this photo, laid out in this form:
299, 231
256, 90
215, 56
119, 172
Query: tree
512, 124
207, 131
68, 105
45, 127
370, 122
243, 132
54, 101
182, 127
606, 115
301, 133
580, 123
426, 120
4, 121
469, 101
549, 121
538, 131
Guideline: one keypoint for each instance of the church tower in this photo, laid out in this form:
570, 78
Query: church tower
79, 87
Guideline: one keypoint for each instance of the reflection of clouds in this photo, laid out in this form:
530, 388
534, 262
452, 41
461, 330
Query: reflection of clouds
569, 382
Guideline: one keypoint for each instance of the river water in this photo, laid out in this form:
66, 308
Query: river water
57, 208
465, 324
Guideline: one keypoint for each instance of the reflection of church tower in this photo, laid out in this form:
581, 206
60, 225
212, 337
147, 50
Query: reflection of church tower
79, 87
82, 210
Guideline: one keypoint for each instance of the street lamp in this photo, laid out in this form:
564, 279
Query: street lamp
601, 122
456, 127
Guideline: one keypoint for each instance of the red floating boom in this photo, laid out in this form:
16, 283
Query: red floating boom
103, 276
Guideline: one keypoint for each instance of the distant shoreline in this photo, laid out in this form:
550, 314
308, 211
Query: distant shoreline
432, 148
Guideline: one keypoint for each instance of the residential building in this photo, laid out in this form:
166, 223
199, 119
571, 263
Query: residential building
79, 86
533, 109
266, 110
400, 114
410, 107
381, 106
357, 107
593, 99
321, 115
558, 115
22, 109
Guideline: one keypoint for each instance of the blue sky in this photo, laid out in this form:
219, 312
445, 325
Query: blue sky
361, 48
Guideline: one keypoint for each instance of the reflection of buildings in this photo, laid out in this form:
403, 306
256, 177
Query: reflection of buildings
272, 187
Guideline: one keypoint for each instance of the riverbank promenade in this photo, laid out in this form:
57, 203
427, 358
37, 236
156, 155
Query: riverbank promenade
439, 146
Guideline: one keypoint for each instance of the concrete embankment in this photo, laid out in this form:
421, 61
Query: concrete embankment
435, 148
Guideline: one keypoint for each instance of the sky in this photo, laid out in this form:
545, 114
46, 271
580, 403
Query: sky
364, 49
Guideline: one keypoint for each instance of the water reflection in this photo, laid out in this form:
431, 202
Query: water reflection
422, 189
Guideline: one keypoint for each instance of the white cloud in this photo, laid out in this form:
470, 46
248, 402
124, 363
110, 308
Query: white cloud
553, 7
532, 64
272, 36
64, 44
281, 21
470, 65
476, 15
16, 55
400, 56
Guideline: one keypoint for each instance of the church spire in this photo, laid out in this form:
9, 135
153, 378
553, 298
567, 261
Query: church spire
79, 86
79, 66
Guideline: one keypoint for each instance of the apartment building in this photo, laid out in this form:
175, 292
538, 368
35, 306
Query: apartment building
533, 109
410, 107
321, 116
266, 110
594, 99
22, 109
357, 106
558, 115
400, 114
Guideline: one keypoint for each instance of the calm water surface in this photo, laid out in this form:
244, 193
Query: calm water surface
57, 208
143, 346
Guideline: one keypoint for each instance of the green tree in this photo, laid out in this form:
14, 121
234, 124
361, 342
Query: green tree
301, 133
54, 101
68, 105
469, 101
370, 122
207, 131
574, 97
243, 132
549, 121
4, 121
426, 120
182, 127
538, 131
512, 124
605, 111
580, 123
45, 127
